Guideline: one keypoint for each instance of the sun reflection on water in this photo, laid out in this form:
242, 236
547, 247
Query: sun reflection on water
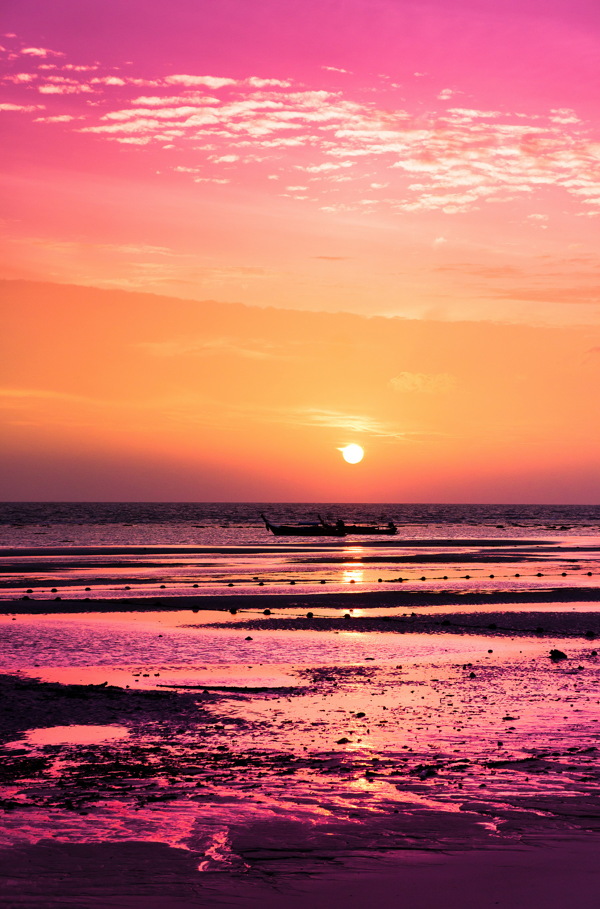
353, 576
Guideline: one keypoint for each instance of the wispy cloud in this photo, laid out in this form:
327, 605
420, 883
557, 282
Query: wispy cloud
570, 280
454, 160
9, 396
250, 348
41, 52
350, 422
26, 108
208, 81
422, 383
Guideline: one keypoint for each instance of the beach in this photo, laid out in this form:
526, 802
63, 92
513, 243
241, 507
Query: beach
299, 484
207, 742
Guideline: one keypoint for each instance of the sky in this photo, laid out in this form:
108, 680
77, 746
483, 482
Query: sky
239, 236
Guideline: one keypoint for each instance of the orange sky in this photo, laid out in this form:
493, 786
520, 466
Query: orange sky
393, 207
120, 395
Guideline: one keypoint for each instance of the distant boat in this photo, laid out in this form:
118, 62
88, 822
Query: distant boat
320, 529
388, 529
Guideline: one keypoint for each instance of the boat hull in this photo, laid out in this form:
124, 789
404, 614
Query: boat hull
381, 531
290, 531
303, 530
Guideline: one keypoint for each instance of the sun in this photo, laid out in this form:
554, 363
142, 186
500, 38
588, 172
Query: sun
352, 453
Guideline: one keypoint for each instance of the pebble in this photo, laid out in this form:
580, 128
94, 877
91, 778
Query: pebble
557, 655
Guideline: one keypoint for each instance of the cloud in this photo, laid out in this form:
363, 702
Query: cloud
20, 78
209, 81
447, 93
452, 161
63, 89
257, 82
26, 108
38, 394
335, 419
250, 348
41, 52
489, 272
422, 383
108, 80
466, 114
326, 166
564, 115
171, 101
586, 293
58, 118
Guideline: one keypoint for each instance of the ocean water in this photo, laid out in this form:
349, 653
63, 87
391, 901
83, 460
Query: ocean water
122, 550
27, 524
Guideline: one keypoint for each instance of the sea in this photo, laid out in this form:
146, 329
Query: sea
33, 524
90, 550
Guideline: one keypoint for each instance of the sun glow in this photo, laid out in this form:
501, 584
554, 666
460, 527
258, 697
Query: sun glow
352, 453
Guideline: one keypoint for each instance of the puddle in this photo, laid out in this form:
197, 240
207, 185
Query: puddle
155, 678
71, 735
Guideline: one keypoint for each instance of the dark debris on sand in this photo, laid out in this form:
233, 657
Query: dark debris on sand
182, 748
29, 704
555, 624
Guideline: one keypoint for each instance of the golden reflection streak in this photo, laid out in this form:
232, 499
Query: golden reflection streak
353, 575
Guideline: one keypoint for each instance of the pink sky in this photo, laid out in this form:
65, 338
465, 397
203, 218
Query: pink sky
436, 162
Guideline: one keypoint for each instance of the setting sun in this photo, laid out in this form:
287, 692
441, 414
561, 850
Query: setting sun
352, 453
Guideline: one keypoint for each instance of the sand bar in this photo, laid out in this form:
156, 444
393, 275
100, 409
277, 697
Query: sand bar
310, 600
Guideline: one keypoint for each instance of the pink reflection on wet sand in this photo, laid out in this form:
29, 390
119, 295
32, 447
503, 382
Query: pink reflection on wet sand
74, 735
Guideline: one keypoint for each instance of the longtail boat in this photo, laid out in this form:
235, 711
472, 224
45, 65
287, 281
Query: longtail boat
320, 529
388, 529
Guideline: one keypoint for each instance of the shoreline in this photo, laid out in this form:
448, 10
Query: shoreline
398, 599
269, 546
553, 873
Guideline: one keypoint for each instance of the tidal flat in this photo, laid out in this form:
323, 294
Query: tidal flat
271, 756
194, 715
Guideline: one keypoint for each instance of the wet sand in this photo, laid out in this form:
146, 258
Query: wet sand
454, 763
243, 721
154, 876
311, 600
452, 833
415, 571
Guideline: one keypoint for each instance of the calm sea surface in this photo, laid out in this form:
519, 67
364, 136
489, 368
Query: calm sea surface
120, 550
30, 524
